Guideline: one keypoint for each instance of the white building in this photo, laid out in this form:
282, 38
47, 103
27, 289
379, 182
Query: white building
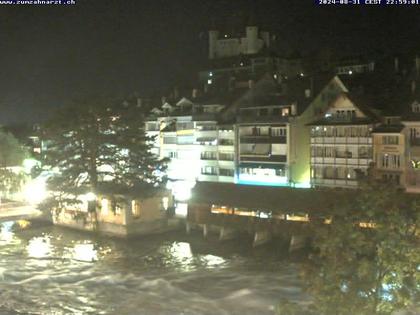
199, 148
341, 141
223, 45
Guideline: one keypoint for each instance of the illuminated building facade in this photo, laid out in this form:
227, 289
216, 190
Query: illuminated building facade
198, 146
389, 147
397, 140
411, 133
341, 144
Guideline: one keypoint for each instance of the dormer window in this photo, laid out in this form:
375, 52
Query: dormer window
415, 107
285, 111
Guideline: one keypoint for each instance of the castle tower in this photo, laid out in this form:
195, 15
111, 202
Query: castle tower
213, 38
252, 39
252, 30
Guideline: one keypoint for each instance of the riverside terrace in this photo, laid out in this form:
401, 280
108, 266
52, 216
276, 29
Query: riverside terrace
264, 212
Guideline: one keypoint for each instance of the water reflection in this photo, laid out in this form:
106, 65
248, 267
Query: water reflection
6, 233
59, 271
85, 252
39, 247
213, 261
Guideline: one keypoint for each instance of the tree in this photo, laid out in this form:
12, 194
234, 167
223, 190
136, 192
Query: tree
368, 269
12, 155
100, 146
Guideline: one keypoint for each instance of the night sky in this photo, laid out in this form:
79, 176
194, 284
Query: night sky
51, 55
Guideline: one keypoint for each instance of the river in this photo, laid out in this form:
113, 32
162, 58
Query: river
52, 270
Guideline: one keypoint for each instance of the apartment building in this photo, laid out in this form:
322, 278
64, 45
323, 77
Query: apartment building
198, 146
341, 139
411, 121
263, 146
389, 151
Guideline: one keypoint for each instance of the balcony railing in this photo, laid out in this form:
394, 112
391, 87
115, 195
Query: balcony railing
208, 158
226, 157
263, 158
263, 139
415, 142
225, 142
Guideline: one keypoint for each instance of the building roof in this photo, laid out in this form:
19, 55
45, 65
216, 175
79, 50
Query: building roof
384, 128
276, 199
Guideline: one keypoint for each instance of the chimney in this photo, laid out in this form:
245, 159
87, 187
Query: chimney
139, 102
251, 84
308, 93
413, 86
418, 64
396, 64
163, 99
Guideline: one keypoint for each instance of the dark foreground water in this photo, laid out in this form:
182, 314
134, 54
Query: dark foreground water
51, 270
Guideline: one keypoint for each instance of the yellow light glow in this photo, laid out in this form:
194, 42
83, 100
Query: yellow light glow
104, 206
23, 224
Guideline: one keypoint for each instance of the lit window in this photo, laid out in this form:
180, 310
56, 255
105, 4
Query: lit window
135, 208
210, 74
165, 203
104, 206
210, 81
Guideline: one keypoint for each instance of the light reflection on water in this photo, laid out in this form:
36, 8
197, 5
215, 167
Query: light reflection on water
49, 270
39, 247
85, 252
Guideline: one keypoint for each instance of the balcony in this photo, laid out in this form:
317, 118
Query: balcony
226, 157
266, 118
226, 142
334, 182
252, 157
248, 139
361, 160
341, 140
415, 142
208, 158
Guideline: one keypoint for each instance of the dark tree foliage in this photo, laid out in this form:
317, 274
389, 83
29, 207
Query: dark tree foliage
100, 147
368, 269
12, 154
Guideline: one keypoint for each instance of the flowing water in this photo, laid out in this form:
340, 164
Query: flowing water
51, 270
